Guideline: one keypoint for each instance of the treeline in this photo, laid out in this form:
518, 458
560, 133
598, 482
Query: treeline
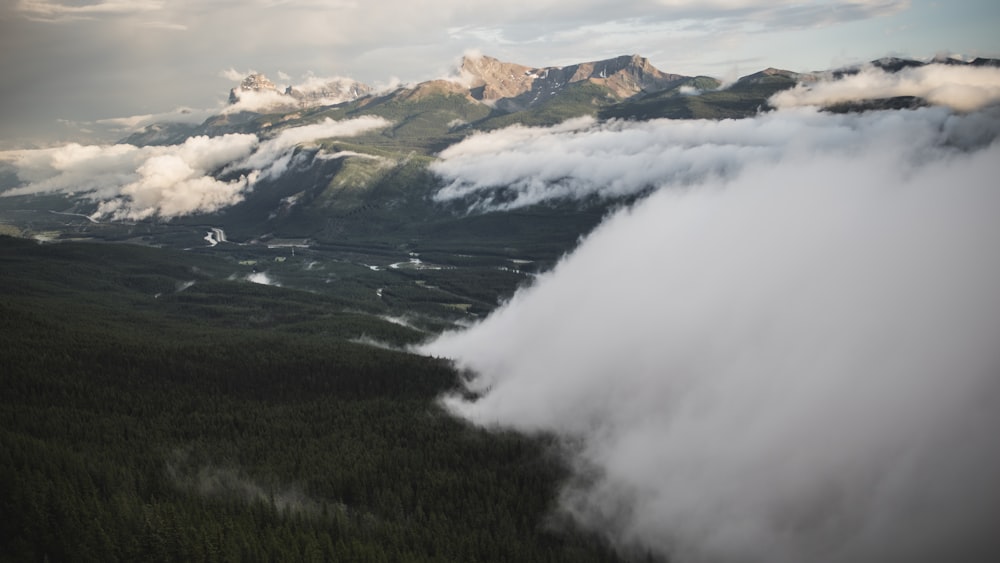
135, 429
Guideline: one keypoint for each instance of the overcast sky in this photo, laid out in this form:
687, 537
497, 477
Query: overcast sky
83, 60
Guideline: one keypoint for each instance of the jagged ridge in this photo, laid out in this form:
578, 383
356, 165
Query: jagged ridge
514, 87
337, 90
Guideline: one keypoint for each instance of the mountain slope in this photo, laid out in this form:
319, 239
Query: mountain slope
703, 98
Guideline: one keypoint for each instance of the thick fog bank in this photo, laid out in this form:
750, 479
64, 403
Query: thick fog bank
788, 352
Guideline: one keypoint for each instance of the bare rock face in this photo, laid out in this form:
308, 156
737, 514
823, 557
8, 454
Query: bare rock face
626, 76
491, 79
312, 93
257, 83
516, 86
331, 92
252, 83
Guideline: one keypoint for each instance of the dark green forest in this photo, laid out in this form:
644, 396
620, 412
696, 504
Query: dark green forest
141, 420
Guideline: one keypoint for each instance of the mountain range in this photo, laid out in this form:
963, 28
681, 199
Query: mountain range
495, 94
377, 188
485, 93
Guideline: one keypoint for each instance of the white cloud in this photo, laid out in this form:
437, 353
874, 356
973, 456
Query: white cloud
274, 155
137, 183
261, 102
965, 88
323, 155
57, 11
168, 26
136, 122
795, 363
327, 90
169, 187
133, 12
316, 89
233, 75
262, 278
521, 166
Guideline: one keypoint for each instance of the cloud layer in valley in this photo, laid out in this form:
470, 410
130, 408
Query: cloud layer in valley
790, 358
274, 156
965, 88
580, 159
134, 183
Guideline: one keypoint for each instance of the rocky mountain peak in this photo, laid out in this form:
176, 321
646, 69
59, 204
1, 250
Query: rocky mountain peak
313, 92
519, 86
252, 83
492, 79
257, 82
331, 91
627, 75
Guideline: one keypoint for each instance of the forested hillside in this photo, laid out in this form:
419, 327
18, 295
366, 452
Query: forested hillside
228, 421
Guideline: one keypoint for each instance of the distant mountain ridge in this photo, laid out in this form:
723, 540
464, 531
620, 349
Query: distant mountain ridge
359, 188
509, 88
315, 92
486, 93
514, 87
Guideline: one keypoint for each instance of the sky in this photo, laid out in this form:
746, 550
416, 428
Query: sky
69, 63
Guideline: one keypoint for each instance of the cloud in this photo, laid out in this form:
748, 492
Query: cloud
964, 88
227, 481
168, 186
794, 362
261, 102
137, 122
323, 155
135, 183
311, 92
138, 182
817, 14
274, 155
233, 75
42, 10
520, 166
327, 90
262, 278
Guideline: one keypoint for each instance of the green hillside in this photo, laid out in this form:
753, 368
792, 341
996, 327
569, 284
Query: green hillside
576, 100
704, 99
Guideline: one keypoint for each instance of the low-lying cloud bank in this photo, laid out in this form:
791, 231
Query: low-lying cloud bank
964, 88
580, 159
792, 358
135, 183
274, 155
